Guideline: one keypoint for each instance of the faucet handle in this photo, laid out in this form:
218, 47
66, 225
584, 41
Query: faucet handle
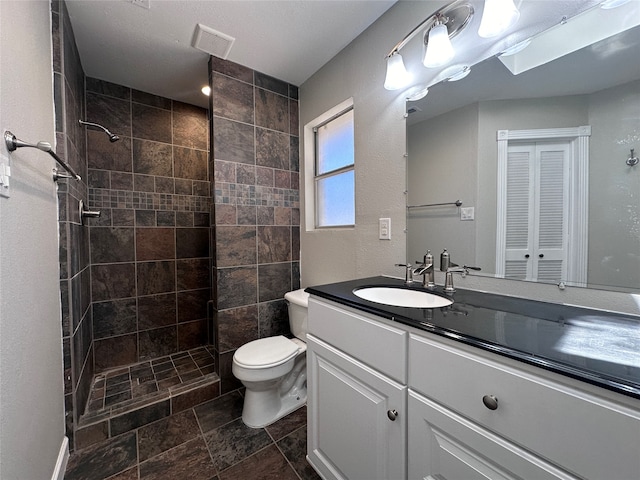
408, 275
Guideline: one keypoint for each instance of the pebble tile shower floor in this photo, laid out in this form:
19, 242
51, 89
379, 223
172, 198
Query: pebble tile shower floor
205, 442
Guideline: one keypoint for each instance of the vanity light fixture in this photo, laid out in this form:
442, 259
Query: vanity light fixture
397, 75
438, 50
447, 23
497, 17
419, 95
206, 90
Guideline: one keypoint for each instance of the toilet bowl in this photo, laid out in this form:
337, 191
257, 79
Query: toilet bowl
274, 369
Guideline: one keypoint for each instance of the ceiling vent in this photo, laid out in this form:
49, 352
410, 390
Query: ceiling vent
212, 42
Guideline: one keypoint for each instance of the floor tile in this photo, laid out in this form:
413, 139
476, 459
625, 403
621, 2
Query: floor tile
221, 410
288, 424
190, 461
267, 464
294, 448
234, 441
104, 459
167, 433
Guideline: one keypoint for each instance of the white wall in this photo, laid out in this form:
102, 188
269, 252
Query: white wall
31, 389
330, 256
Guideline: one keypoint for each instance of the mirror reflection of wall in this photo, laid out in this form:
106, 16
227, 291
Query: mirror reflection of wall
454, 156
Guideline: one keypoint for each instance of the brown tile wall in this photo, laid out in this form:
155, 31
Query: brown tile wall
150, 249
254, 135
77, 335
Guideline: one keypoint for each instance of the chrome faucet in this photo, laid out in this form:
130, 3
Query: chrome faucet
426, 270
408, 274
448, 279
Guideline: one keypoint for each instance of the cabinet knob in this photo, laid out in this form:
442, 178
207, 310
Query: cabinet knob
490, 402
392, 414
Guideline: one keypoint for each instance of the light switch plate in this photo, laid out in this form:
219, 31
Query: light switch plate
467, 213
384, 229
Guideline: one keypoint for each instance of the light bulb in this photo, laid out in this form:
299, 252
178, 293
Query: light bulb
439, 50
397, 75
497, 17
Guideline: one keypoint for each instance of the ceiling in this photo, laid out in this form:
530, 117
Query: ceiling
149, 49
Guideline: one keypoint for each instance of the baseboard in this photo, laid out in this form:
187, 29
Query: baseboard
61, 463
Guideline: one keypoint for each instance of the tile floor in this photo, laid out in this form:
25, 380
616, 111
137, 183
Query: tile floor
206, 442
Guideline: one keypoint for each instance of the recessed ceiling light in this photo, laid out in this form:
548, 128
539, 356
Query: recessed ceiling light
206, 90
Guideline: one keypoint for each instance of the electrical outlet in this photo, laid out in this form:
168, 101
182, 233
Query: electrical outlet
467, 213
5, 175
384, 229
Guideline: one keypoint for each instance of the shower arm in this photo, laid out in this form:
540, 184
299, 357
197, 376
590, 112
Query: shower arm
13, 143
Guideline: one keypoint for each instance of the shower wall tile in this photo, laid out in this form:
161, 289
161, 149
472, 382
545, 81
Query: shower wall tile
190, 163
190, 126
150, 99
193, 274
274, 244
156, 311
192, 305
115, 351
151, 123
271, 83
274, 281
111, 245
272, 149
155, 277
233, 99
113, 281
107, 88
233, 141
192, 335
231, 69
109, 111
236, 246
237, 287
237, 326
115, 317
272, 110
155, 244
256, 200
273, 318
158, 342
105, 155
152, 158
192, 242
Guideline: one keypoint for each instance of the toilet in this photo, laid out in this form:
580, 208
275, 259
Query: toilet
274, 369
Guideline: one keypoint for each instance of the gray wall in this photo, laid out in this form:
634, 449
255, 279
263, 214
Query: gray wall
333, 255
31, 391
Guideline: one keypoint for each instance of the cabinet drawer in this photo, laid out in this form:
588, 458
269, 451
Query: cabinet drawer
589, 436
444, 445
371, 341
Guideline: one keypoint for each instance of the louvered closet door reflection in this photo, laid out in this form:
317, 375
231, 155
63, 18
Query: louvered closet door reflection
537, 206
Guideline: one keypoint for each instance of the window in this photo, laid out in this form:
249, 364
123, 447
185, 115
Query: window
334, 179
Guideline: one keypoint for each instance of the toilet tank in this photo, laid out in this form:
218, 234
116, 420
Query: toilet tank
298, 304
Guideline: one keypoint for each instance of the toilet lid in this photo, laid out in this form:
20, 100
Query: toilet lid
266, 352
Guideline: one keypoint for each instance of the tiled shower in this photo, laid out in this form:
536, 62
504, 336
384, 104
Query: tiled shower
195, 246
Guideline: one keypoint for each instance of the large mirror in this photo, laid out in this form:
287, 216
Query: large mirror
543, 163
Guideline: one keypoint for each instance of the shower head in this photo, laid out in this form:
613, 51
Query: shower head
112, 136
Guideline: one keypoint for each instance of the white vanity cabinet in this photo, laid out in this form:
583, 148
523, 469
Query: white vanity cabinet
463, 413
357, 400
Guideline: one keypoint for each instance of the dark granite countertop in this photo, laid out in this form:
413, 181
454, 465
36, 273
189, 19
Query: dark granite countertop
594, 346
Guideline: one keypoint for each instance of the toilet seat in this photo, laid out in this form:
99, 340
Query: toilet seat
266, 352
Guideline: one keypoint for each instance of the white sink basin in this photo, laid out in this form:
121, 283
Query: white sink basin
402, 297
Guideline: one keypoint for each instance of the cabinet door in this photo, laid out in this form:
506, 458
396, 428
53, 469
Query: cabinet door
446, 446
350, 432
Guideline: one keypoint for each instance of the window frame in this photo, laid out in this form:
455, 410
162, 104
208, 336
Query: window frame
311, 168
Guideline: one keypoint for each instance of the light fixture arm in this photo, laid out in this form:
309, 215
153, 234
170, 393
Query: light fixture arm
457, 16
